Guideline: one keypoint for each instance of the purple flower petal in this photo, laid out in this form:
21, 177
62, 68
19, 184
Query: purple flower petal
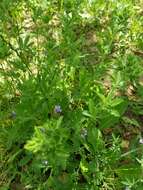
57, 109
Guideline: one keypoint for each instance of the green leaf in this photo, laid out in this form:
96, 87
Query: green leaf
95, 138
84, 166
108, 120
59, 122
115, 113
25, 160
85, 113
92, 108
102, 97
116, 102
131, 121
26, 41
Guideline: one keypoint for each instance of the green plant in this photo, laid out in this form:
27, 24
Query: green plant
71, 94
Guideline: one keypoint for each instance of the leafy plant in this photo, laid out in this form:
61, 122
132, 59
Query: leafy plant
71, 95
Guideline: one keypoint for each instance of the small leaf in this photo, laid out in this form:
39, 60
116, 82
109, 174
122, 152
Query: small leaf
83, 166
85, 113
115, 113
116, 102
26, 40
92, 108
59, 122
95, 138
131, 121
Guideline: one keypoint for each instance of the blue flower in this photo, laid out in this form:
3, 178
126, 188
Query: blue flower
57, 109
13, 114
